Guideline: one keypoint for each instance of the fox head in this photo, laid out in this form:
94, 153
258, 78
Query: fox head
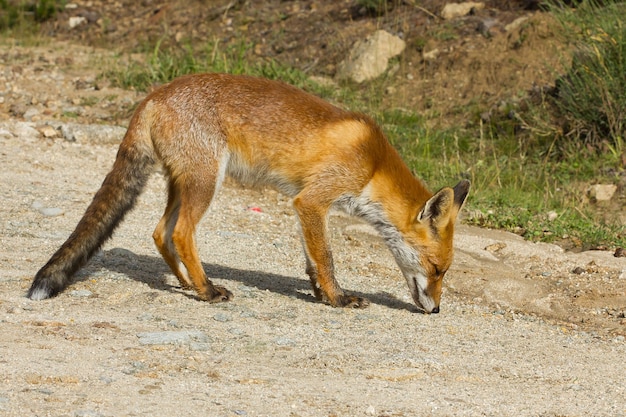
431, 245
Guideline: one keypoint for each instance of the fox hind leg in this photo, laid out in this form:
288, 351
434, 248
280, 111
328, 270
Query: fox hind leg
163, 238
190, 194
311, 271
195, 198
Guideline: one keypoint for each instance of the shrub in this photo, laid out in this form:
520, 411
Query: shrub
23, 12
590, 98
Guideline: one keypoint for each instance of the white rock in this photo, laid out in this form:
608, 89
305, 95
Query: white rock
51, 211
602, 192
516, 23
4, 133
48, 131
25, 130
431, 55
172, 337
81, 293
454, 10
76, 21
30, 113
101, 134
369, 58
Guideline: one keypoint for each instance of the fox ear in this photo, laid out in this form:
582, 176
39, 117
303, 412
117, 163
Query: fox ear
437, 207
460, 193
445, 204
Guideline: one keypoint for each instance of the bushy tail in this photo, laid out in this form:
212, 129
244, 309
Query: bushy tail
114, 199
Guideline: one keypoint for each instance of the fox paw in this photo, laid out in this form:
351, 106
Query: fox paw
216, 295
351, 301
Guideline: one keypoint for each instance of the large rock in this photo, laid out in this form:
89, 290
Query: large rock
454, 10
100, 134
369, 58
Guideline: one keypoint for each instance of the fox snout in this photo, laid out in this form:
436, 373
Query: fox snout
426, 293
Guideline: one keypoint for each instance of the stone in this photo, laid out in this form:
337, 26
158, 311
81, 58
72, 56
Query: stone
172, 337
454, 10
81, 293
369, 58
76, 21
100, 134
221, 317
25, 130
431, 55
30, 113
48, 131
515, 24
602, 192
51, 211
87, 413
5, 133
284, 341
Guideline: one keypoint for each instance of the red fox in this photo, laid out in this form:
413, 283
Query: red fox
265, 133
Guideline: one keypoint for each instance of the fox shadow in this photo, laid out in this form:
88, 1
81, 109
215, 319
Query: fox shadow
154, 272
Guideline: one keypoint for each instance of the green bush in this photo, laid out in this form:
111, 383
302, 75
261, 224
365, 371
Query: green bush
590, 98
24, 12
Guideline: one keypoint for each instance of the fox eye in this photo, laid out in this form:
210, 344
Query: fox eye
439, 273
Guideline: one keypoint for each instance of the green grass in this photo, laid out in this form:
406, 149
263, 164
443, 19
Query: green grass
164, 64
21, 17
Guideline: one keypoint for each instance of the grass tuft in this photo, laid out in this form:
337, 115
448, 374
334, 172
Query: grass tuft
23, 16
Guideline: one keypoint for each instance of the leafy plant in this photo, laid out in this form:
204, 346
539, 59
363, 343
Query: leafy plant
23, 13
590, 98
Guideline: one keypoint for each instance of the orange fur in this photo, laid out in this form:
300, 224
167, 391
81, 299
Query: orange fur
261, 132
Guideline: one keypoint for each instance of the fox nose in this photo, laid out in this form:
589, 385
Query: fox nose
435, 310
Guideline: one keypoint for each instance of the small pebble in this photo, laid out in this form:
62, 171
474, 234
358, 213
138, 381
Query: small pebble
172, 338
87, 413
81, 293
221, 317
51, 211
199, 347
284, 341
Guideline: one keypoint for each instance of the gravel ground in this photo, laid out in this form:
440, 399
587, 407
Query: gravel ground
519, 333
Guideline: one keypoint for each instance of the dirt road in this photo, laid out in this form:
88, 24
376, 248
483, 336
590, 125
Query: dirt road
124, 340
